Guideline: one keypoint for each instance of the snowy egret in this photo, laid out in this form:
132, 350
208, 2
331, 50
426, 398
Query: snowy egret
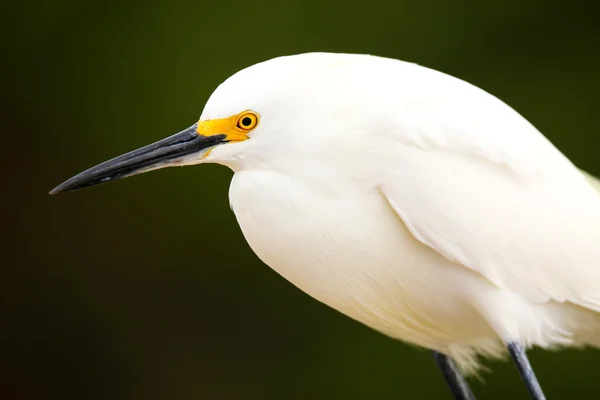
407, 199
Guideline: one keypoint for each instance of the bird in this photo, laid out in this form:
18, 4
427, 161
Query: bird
405, 198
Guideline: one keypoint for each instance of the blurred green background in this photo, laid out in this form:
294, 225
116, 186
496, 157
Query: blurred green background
145, 288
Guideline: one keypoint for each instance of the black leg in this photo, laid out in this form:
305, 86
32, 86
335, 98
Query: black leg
533, 386
457, 384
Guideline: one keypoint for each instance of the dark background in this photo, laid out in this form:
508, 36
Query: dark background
145, 288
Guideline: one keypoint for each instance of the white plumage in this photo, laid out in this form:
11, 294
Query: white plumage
413, 202
405, 198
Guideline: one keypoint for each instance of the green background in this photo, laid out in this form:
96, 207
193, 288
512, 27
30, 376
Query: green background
145, 288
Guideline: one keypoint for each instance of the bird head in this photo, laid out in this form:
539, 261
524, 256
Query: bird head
264, 116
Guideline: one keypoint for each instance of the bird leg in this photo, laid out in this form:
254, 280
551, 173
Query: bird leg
456, 382
518, 355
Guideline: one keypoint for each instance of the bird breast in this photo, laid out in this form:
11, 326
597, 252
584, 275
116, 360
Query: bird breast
352, 252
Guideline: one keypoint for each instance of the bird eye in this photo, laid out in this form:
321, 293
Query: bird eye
247, 121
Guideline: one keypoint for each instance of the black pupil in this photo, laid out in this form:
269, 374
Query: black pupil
246, 121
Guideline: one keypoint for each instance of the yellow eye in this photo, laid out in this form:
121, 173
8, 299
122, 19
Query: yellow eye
247, 121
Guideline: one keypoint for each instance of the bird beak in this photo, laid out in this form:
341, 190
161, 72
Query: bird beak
172, 151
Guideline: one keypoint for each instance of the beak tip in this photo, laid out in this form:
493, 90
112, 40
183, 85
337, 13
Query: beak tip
63, 187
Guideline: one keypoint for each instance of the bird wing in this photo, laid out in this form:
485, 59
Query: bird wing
495, 196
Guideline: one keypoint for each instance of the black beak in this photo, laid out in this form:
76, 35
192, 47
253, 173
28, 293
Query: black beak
164, 153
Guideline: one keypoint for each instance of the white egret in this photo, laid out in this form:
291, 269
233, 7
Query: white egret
407, 199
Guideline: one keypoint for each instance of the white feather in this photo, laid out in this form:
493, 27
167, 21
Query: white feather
415, 203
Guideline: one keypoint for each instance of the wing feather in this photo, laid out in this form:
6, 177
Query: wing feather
522, 239
477, 183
